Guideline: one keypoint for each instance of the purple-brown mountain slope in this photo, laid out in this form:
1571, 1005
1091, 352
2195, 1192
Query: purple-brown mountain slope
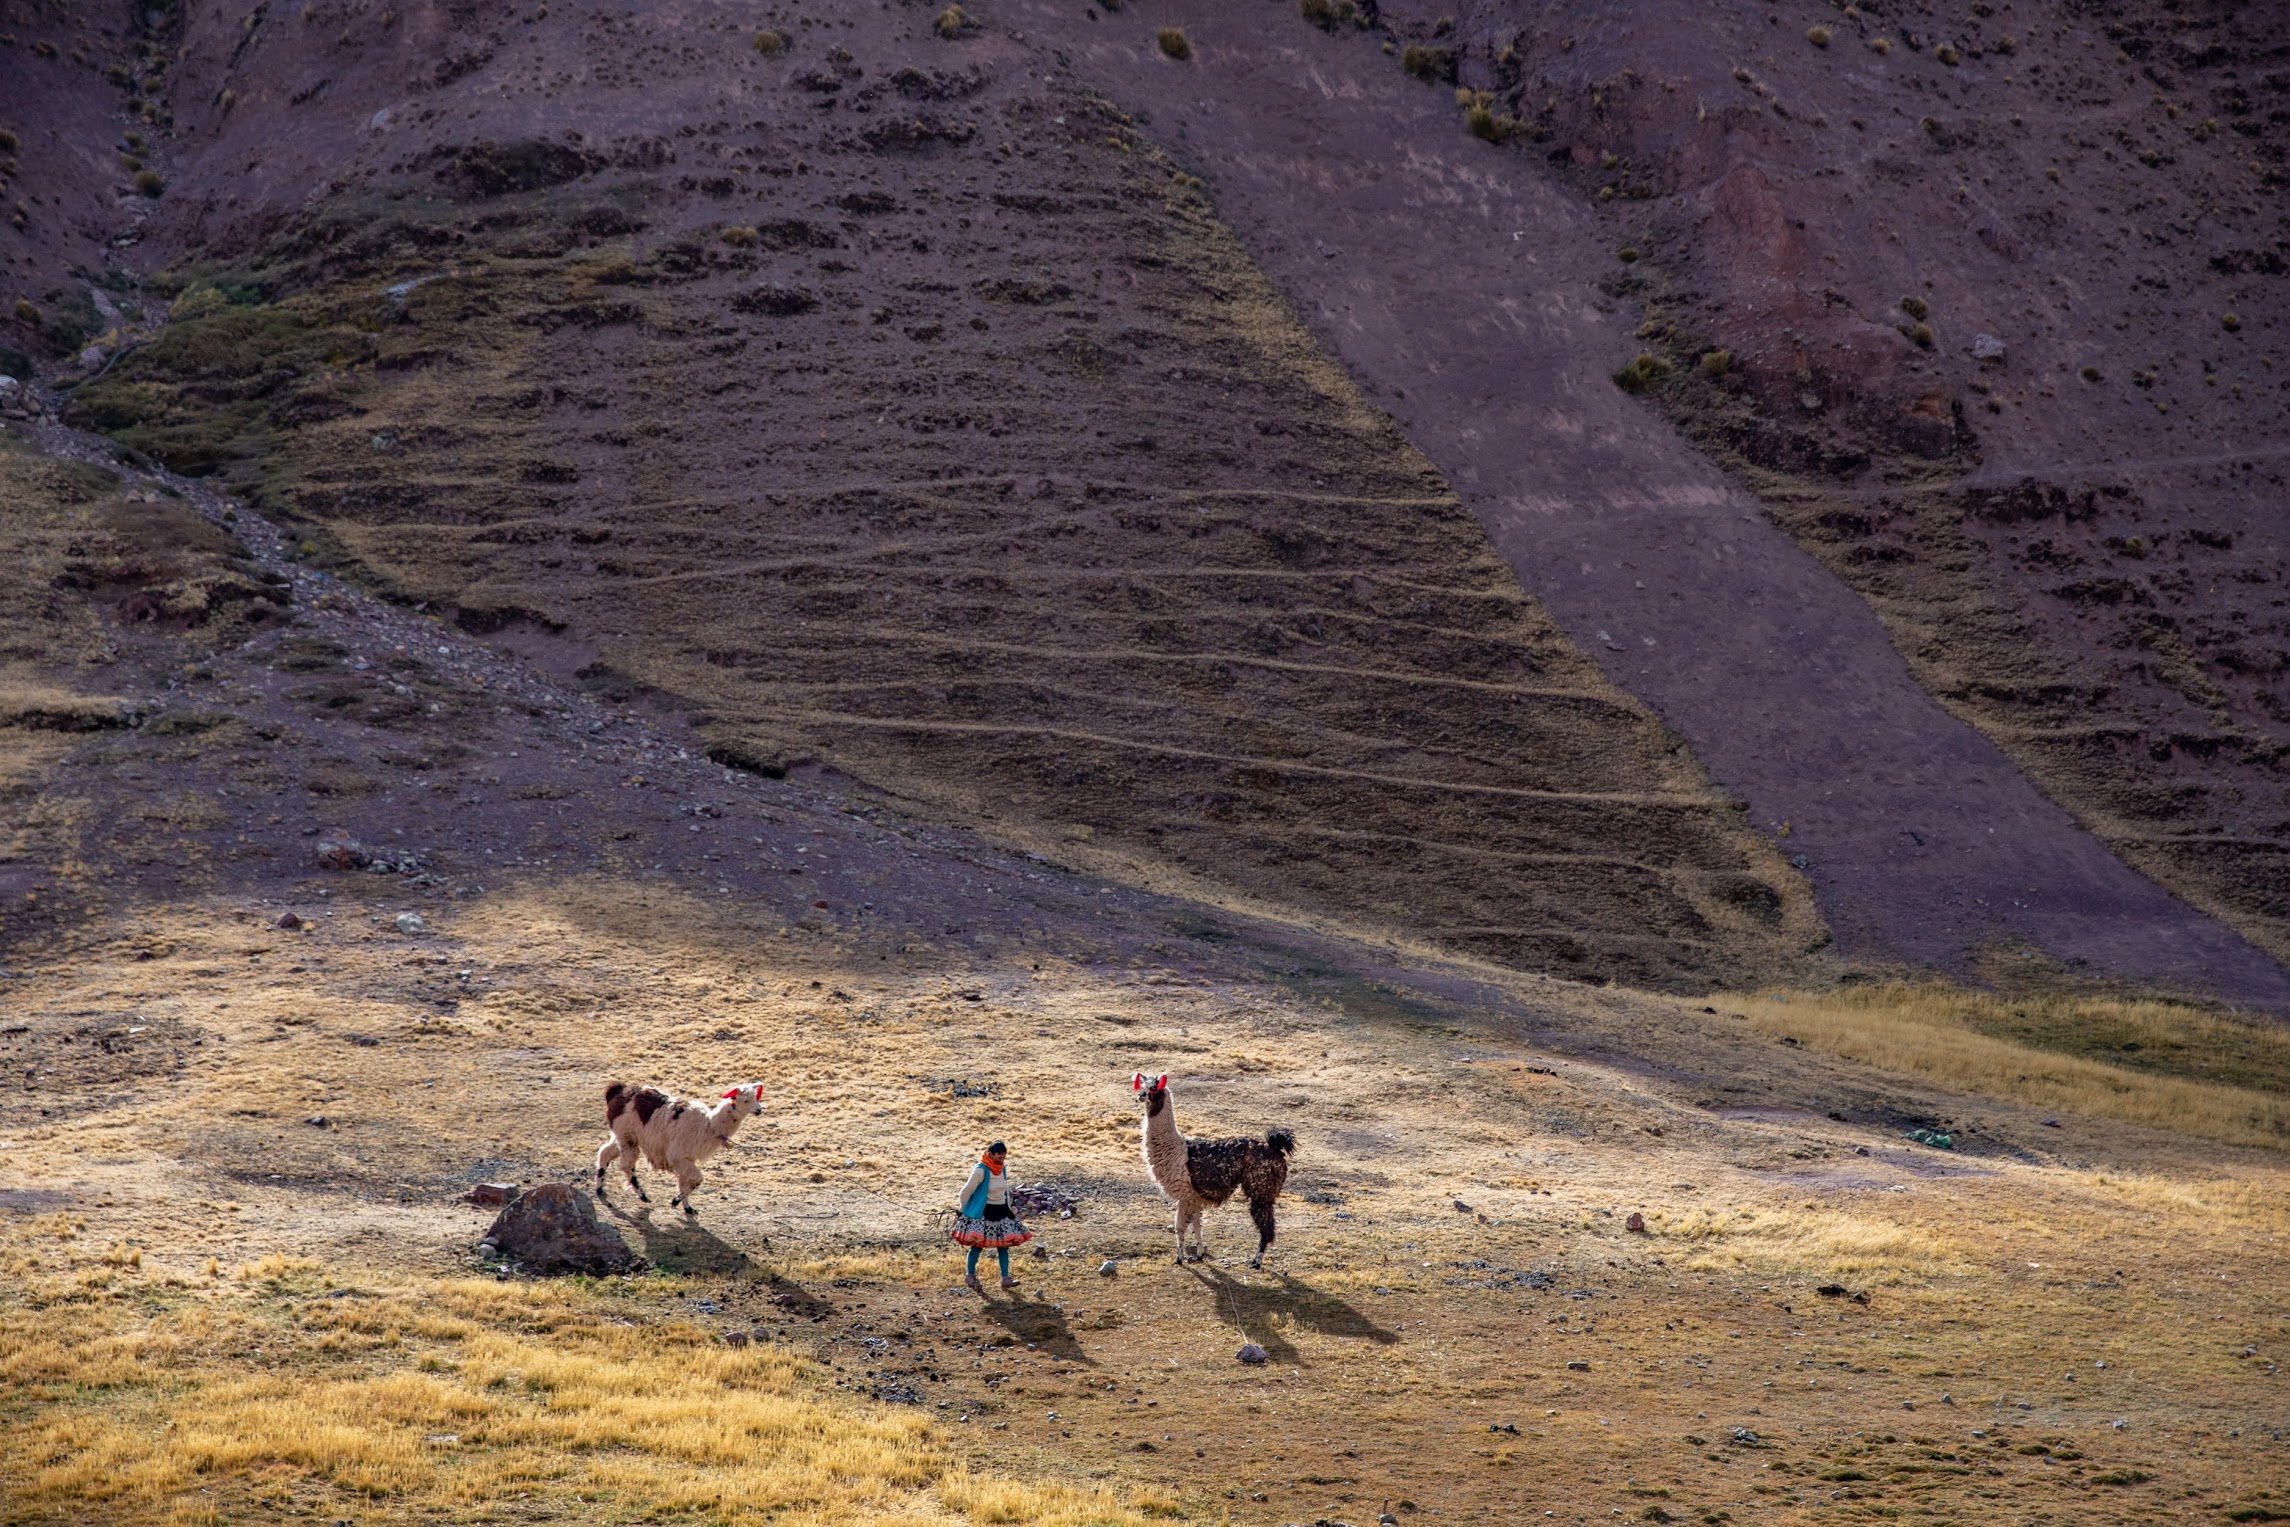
1486, 303
890, 394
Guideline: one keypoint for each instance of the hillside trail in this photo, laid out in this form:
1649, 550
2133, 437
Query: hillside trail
1459, 285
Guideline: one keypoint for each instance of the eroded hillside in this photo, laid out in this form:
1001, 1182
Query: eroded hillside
917, 415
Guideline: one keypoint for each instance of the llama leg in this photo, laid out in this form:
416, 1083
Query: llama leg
1260, 1210
628, 1155
605, 1155
687, 1179
1180, 1233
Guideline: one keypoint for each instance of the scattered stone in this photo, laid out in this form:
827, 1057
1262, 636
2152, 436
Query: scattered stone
1987, 347
1463, 1208
288, 921
1036, 1197
443, 1439
319, 1121
488, 1249
342, 854
2051, 1123
1635, 1224
554, 1229
1108, 1268
735, 1338
1252, 1354
1743, 1437
1504, 1426
410, 922
1578, 1366
492, 1195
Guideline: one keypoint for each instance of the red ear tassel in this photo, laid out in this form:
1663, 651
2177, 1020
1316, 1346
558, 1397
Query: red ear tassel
1163, 1083
1137, 1082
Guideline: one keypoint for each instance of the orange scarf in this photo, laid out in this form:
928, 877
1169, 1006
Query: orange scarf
991, 1165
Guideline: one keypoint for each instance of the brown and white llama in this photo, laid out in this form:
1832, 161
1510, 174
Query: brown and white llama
1197, 1175
674, 1134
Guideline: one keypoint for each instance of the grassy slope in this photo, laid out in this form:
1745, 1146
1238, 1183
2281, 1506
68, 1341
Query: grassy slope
1401, 1327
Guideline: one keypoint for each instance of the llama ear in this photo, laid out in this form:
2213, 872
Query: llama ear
1163, 1083
733, 1094
1137, 1082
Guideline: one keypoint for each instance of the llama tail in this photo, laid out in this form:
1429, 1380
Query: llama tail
615, 1100
1281, 1141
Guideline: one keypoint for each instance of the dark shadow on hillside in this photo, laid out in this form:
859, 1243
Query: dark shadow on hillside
675, 1242
1036, 1321
1252, 1307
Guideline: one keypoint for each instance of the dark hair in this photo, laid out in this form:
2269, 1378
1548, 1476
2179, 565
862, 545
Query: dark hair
997, 1149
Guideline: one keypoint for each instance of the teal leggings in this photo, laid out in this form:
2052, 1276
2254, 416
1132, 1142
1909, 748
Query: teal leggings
1002, 1253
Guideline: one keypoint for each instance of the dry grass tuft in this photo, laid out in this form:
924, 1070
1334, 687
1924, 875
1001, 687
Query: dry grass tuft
2151, 1063
1174, 42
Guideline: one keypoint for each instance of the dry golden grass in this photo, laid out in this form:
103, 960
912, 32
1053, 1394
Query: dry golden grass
2041, 1051
446, 1395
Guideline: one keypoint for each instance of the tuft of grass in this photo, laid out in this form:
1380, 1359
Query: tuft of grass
1921, 336
951, 21
148, 183
7, 141
2090, 373
739, 237
1641, 373
2229, 322
1628, 255
1880, 45
1328, 15
1946, 54
2158, 1064
1916, 307
770, 43
1174, 42
1717, 363
1817, 36
1427, 63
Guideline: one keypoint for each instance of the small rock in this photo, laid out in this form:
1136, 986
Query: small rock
1578, 1366
1987, 347
735, 1338
1635, 1224
492, 1195
1252, 1354
2051, 1123
443, 1439
1463, 1208
410, 922
1744, 1437
1108, 1268
288, 921
342, 854
319, 1121
487, 1249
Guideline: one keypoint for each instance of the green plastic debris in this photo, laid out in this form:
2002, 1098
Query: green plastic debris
1933, 1138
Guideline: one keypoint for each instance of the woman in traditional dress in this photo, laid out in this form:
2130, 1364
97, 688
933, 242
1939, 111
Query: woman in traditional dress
985, 1218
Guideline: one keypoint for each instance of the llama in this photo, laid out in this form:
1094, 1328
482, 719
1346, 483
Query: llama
1197, 1175
674, 1134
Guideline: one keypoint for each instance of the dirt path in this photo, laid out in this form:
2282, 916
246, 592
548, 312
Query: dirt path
1351, 182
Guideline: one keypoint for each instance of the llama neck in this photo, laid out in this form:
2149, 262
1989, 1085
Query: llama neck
1165, 1148
724, 1118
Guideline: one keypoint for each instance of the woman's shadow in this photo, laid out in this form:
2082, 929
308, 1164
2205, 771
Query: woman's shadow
1037, 1321
1255, 1307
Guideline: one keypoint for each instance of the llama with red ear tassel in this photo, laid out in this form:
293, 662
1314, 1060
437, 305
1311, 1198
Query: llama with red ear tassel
1197, 1175
674, 1134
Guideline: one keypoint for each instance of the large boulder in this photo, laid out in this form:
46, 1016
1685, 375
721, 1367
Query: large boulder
554, 1229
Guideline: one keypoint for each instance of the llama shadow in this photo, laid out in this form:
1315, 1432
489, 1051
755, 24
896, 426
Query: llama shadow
1036, 1321
1253, 1308
675, 1242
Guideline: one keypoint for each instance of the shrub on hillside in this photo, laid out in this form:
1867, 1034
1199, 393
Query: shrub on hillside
1174, 42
